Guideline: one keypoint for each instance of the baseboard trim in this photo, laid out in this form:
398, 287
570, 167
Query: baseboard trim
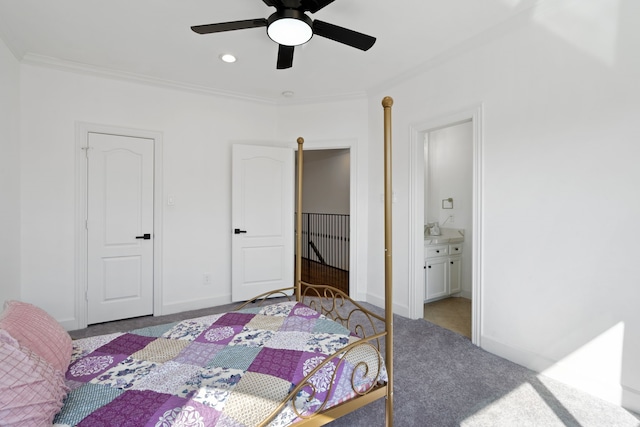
195, 304
631, 399
402, 310
626, 397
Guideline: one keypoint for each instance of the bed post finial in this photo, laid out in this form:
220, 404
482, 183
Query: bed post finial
298, 283
387, 102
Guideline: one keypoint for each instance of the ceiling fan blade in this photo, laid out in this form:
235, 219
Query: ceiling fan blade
285, 57
343, 35
229, 26
315, 5
273, 3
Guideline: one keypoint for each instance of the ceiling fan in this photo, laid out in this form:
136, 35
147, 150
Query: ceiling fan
290, 26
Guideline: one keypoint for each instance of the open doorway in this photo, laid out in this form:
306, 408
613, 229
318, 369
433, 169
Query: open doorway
418, 250
326, 217
448, 198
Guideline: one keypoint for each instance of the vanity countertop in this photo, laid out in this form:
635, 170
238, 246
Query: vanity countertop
447, 235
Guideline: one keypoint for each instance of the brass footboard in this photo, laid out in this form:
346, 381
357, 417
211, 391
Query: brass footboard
365, 352
368, 382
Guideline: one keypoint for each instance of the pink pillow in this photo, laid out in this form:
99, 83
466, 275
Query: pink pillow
33, 328
31, 390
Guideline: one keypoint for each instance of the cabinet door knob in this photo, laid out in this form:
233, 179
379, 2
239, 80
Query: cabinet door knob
429, 266
451, 262
437, 252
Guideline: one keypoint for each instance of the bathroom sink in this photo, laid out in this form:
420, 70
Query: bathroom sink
447, 235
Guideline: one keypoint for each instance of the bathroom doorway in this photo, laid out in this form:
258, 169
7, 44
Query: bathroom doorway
448, 198
437, 196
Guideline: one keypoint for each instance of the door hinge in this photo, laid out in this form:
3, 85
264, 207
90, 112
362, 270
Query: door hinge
86, 224
86, 296
86, 151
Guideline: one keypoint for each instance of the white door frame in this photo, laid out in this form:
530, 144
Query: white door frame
416, 213
82, 132
356, 291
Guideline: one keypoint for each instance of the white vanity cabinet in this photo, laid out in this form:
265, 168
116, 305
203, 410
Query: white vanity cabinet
443, 267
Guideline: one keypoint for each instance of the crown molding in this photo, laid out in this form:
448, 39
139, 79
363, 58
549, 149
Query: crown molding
79, 68
326, 99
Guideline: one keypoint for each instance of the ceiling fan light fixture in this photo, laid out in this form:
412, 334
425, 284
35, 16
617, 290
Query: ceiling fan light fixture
289, 27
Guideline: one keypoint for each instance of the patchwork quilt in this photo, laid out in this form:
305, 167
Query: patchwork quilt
231, 369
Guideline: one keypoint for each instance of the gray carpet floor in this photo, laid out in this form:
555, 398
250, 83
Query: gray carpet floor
442, 379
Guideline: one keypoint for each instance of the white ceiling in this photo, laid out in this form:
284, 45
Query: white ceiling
152, 39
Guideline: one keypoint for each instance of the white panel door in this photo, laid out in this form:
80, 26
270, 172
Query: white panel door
262, 205
120, 227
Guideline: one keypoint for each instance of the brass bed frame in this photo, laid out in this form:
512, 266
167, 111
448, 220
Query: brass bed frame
374, 330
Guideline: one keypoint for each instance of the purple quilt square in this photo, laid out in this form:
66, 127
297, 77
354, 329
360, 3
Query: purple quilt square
322, 380
277, 362
133, 408
298, 324
166, 414
302, 310
90, 366
126, 344
198, 354
219, 334
233, 319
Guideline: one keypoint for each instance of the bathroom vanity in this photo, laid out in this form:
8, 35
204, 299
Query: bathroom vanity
443, 264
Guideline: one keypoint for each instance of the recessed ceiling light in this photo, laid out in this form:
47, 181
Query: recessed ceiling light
227, 57
287, 93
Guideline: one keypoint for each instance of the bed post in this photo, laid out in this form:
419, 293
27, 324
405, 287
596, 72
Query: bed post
387, 102
299, 224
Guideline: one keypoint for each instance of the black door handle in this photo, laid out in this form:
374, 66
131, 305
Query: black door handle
238, 231
146, 236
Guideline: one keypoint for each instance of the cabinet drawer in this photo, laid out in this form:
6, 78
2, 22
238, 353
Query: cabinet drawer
434, 251
455, 249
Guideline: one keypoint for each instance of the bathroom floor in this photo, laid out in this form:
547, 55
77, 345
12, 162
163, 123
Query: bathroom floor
450, 313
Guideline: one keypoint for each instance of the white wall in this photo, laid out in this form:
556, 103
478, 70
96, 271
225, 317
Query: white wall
326, 181
449, 174
197, 134
9, 176
560, 269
